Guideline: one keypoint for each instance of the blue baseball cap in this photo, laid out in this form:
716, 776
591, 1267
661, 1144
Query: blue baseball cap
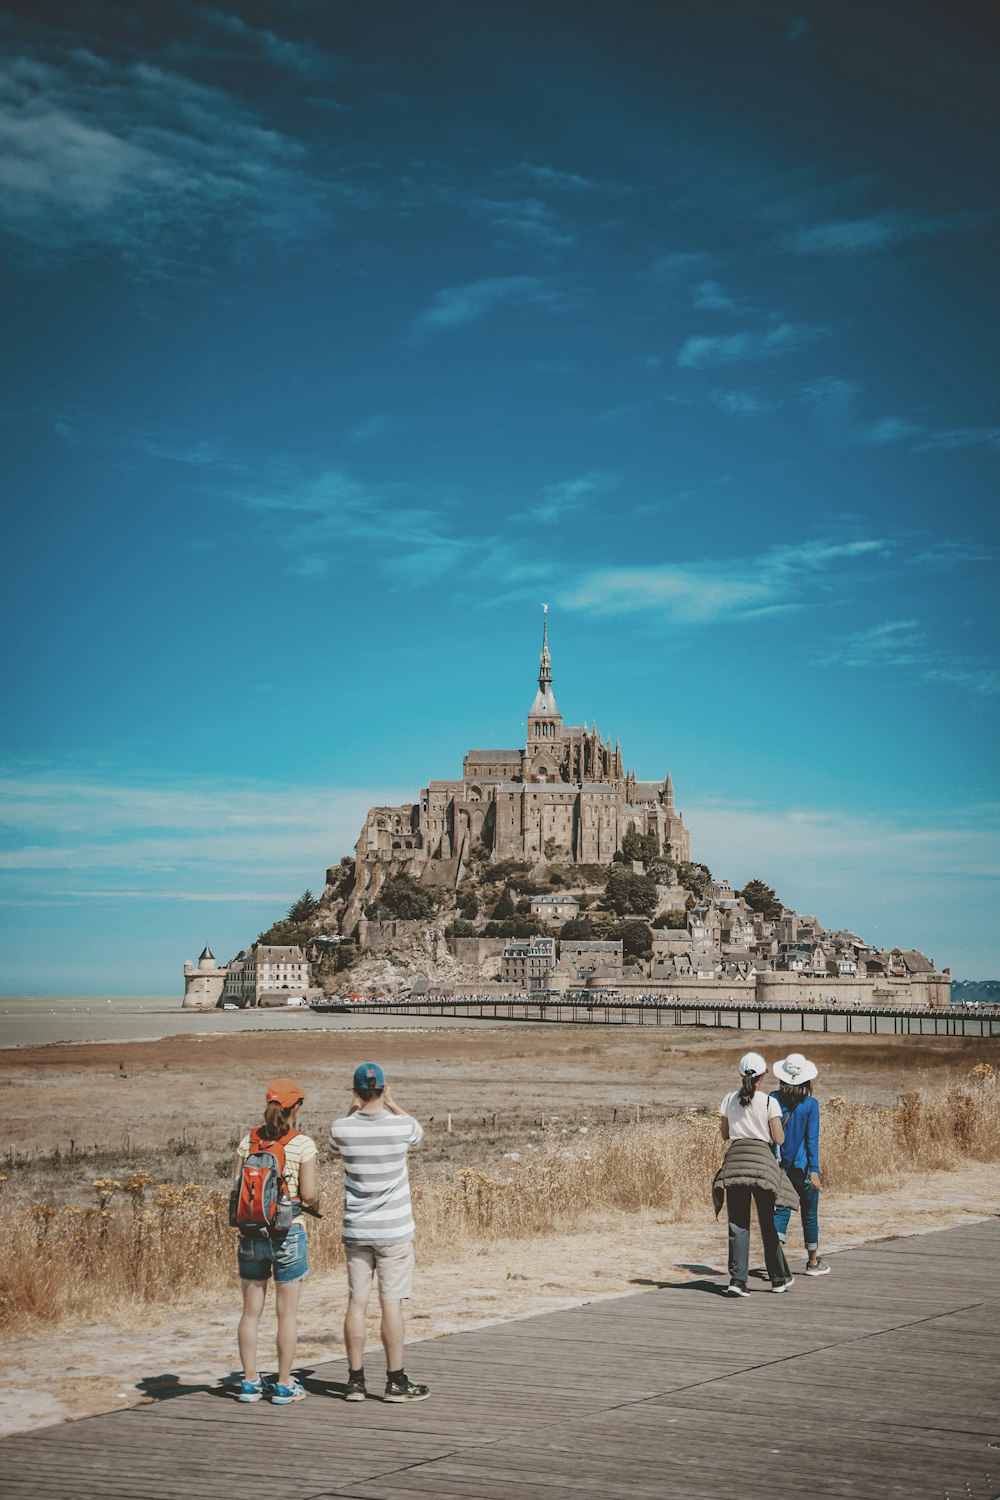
368, 1076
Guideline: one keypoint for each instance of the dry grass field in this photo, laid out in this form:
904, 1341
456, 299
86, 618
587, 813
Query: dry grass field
581, 1140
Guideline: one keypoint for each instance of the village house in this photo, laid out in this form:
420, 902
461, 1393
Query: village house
266, 975
528, 962
556, 908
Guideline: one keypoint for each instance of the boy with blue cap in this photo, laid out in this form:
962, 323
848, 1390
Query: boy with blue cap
372, 1140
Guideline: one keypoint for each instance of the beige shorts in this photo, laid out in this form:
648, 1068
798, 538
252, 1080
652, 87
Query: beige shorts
393, 1263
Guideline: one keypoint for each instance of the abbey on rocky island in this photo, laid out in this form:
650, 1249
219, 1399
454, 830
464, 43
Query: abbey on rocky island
563, 797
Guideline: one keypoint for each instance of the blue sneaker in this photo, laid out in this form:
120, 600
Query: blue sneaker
251, 1390
284, 1395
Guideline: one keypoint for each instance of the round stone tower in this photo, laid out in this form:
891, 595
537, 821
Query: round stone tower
203, 985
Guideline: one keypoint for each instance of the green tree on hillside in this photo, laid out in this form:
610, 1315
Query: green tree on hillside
640, 846
637, 940
694, 878
762, 898
402, 899
504, 907
628, 894
468, 904
304, 908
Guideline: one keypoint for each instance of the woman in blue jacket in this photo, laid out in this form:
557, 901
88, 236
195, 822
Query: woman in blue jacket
799, 1152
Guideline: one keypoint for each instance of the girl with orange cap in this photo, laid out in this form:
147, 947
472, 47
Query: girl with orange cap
286, 1258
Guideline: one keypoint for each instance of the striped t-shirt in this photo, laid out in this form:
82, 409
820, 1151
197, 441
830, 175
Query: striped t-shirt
373, 1148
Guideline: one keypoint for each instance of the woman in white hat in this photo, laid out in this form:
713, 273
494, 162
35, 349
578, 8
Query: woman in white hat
799, 1151
750, 1120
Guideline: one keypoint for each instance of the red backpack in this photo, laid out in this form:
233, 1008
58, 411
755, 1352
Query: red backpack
259, 1203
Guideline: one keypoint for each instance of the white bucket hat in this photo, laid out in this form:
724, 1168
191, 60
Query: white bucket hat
752, 1062
795, 1069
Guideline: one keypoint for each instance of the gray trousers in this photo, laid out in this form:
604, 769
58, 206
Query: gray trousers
738, 1200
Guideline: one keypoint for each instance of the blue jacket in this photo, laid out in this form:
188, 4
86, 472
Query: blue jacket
801, 1145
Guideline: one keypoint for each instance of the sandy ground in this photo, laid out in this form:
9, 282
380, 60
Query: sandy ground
72, 1373
497, 1082
209, 1087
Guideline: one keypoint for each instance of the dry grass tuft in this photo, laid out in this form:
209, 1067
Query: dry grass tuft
141, 1243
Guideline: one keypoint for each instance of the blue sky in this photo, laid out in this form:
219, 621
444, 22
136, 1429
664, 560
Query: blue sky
339, 337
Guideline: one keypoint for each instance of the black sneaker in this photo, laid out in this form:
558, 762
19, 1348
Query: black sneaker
405, 1390
355, 1388
737, 1289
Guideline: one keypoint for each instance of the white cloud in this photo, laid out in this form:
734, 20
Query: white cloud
140, 158
702, 592
749, 346
571, 496
951, 438
875, 232
709, 296
174, 839
741, 403
459, 306
682, 263
552, 177
902, 645
887, 430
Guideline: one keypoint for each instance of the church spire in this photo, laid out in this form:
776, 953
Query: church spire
544, 718
545, 662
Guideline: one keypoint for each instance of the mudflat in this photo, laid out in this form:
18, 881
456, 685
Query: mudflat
208, 1084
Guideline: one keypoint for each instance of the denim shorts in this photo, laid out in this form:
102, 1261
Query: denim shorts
289, 1258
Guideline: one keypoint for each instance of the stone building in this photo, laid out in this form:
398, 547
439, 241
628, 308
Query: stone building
563, 796
591, 958
203, 985
528, 962
268, 974
555, 908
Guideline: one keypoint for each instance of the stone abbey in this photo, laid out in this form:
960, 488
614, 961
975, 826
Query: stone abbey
564, 797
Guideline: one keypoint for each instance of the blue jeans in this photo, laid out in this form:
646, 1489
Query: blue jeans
257, 1257
808, 1208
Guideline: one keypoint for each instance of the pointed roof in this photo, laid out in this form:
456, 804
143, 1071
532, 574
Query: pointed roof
545, 702
206, 953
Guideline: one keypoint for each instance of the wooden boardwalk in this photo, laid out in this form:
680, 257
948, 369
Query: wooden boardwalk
882, 1379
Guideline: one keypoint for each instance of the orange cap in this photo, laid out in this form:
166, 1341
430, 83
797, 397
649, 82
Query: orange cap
284, 1092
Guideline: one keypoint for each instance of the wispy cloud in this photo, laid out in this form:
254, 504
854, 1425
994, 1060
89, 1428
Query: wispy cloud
960, 437
703, 592
738, 403
681, 264
80, 836
887, 431
875, 232
95, 150
570, 497
295, 57
902, 645
526, 219
459, 306
750, 346
798, 30
552, 177
709, 296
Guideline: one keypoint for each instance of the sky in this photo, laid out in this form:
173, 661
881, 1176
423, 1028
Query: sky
339, 338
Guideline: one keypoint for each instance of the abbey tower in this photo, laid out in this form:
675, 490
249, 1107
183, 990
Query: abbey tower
564, 796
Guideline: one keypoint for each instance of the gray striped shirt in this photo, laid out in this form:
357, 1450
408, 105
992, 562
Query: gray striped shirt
373, 1148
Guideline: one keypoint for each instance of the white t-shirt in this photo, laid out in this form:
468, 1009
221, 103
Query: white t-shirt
750, 1122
